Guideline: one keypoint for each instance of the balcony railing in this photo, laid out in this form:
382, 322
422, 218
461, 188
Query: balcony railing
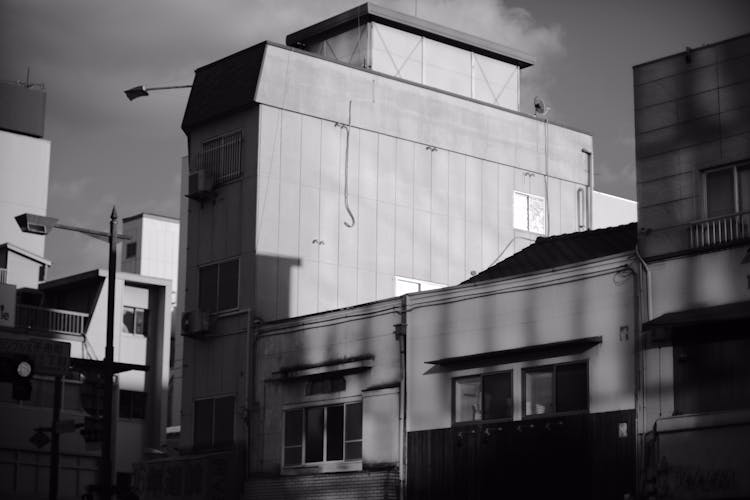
220, 158
3, 275
721, 230
50, 320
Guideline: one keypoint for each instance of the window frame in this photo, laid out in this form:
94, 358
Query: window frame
554, 367
135, 311
131, 249
335, 465
131, 396
223, 141
529, 196
213, 444
481, 390
734, 168
218, 264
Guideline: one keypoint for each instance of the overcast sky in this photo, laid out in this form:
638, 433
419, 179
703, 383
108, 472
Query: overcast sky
107, 150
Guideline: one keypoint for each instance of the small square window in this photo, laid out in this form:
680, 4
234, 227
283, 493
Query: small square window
529, 212
135, 320
218, 286
130, 250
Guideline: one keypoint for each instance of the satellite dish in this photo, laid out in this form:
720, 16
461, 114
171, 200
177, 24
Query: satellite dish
539, 107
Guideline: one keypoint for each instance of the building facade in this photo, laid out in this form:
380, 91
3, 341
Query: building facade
693, 171
73, 311
374, 152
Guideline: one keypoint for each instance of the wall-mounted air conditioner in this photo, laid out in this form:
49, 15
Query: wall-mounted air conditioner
195, 323
200, 185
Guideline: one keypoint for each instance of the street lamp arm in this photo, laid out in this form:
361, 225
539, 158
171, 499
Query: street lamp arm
100, 235
142, 90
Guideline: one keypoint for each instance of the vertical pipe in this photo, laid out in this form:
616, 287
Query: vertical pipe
54, 461
546, 177
401, 334
590, 197
107, 459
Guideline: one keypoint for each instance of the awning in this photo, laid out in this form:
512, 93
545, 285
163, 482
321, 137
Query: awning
526, 353
730, 318
336, 366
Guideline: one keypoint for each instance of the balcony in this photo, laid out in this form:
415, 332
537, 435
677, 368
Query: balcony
220, 159
51, 320
719, 231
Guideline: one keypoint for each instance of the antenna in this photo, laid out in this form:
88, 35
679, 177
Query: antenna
539, 107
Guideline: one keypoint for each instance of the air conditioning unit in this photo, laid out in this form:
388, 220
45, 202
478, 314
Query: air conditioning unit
195, 323
200, 185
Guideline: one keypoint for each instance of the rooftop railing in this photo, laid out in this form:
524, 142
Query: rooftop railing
721, 230
50, 320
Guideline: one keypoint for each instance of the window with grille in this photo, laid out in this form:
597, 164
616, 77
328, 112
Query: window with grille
318, 434
221, 157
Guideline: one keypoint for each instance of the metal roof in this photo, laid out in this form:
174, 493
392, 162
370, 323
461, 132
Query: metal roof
224, 86
371, 12
555, 251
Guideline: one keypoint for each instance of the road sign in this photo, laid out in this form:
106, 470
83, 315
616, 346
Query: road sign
48, 356
39, 439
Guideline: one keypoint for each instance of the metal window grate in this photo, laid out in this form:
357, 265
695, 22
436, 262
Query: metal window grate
221, 158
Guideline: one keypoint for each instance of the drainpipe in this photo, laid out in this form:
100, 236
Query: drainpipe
640, 367
546, 177
400, 331
590, 197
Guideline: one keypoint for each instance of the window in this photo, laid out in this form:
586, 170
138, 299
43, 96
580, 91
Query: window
727, 190
132, 404
528, 212
483, 397
218, 286
213, 424
323, 434
556, 389
221, 157
130, 250
135, 320
712, 376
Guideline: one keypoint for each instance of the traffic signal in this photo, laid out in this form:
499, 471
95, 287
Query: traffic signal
17, 370
93, 429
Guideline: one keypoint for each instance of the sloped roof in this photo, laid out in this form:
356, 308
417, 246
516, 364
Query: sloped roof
224, 86
556, 251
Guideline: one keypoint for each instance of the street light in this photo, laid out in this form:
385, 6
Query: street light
39, 224
142, 91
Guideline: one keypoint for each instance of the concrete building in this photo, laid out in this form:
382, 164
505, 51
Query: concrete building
153, 250
375, 152
521, 383
24, 181
693, 169
73, 311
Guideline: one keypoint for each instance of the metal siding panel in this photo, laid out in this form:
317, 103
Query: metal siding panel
421, 245
404, 241
368, 167
329, 226
332, 146
367, 232
310, 151
291, 136
474, 227
386, 169
405, 173
440, 182
386, 228
439, 248
422, 178
328, 281
310, 229
289, 219
490, 213
366, 286
347, 291
267, 238
457, 270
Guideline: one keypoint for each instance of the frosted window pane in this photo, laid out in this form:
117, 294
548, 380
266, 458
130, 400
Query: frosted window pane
520, 211
396, 53
495, 82
539, 392
536, 214
447, 68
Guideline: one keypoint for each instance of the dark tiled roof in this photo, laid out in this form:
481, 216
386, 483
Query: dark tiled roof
556, 251
224, 86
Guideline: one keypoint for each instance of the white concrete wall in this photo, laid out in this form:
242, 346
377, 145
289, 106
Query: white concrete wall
365, 330
609, 210
594, 299
24, 183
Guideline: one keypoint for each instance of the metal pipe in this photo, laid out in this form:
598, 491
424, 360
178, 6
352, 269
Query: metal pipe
589, 217
54, 472
107, 460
